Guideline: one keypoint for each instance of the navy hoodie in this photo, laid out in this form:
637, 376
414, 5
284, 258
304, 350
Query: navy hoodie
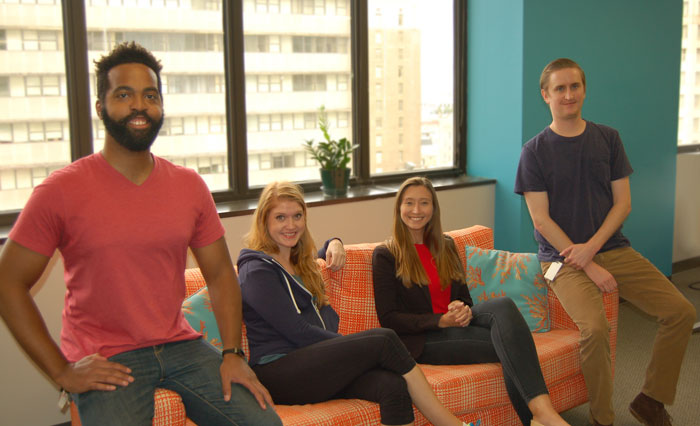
278, 311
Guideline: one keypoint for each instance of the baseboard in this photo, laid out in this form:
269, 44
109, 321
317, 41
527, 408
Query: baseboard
684, 265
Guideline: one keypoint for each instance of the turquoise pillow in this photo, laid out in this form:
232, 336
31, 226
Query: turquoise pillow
198, 312
497, 273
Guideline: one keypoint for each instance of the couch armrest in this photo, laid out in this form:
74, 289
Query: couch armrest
193, 281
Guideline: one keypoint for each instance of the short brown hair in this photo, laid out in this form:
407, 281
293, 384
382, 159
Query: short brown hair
125, 53
556, 65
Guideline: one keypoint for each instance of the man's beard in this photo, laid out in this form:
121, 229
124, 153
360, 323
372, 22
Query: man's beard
136, 141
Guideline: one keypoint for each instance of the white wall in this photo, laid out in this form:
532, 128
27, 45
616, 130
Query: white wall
686, 228
28, 398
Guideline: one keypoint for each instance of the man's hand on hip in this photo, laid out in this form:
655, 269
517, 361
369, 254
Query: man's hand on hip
94, 372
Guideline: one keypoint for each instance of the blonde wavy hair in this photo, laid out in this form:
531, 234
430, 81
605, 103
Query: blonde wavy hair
408, 265
303, 254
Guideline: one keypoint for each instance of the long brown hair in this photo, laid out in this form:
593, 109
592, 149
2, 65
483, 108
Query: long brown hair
303, 255
408, 265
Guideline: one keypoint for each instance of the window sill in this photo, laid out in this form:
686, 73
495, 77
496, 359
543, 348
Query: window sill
317, 198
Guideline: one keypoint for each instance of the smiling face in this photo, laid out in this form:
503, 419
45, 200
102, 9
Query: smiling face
564, 94
132, 110
416, 210
286, 224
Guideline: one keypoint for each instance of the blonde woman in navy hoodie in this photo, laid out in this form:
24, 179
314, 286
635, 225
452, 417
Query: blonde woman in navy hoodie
296, 350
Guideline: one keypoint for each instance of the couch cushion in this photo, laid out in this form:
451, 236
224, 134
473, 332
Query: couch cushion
479, 386
498, 273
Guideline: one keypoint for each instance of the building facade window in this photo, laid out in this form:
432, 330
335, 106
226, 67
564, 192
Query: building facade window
4, 85
40, 40
309, 83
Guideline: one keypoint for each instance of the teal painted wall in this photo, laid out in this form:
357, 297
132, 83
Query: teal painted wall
630, 50
494, 104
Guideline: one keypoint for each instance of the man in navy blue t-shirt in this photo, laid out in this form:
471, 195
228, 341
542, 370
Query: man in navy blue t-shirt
574, 176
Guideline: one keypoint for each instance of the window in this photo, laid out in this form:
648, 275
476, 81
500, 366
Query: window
5, 133
256, 44
286, 65
412, 46
309, 83
33, 98
313, 44
689, 100
303, 7
194, 88
34, 131
267, 6
40, 40
4, 85
42, 85
342, 7
342, 83
206, 4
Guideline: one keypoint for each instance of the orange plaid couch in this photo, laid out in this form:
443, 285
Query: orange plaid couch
472, 392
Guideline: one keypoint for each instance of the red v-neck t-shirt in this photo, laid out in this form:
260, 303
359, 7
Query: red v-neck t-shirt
124, 248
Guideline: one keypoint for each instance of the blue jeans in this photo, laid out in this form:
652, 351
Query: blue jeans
497, 333
190, 368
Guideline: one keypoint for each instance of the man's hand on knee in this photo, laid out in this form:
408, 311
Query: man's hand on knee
94, 372
235, 369
601, 277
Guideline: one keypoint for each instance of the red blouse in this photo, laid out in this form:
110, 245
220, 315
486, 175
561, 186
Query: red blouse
440, 298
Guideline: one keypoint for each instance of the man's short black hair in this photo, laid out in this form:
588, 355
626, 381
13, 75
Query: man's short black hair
124, 53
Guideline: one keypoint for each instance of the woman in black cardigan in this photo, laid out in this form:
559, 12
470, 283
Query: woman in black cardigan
420, 292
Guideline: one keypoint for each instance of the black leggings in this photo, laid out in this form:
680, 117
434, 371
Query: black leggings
497, 333
368, 365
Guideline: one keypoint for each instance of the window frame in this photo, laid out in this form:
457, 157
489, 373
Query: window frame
81, 114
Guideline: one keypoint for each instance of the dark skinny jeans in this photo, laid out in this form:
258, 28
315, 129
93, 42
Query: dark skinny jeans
368, 365
497, 333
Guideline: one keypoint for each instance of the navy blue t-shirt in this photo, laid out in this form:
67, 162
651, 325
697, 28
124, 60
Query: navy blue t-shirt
576, 172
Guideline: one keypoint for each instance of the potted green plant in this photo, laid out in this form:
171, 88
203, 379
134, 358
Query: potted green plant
333, 156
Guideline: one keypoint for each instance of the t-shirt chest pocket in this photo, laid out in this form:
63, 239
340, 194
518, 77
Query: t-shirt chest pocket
597, 166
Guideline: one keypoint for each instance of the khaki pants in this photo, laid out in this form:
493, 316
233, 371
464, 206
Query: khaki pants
640, 283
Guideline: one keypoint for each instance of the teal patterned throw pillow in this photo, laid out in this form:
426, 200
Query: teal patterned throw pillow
497, 273
198, 312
